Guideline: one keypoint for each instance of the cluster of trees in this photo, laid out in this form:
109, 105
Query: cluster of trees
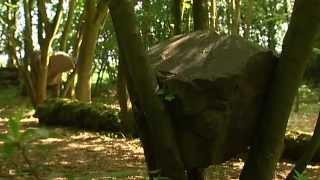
112, 35
86, 32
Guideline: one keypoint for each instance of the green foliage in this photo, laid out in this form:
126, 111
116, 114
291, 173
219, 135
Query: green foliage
166, 95
316, 51
300, 176
15, 140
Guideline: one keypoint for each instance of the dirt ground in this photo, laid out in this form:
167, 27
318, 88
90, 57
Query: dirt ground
73, 154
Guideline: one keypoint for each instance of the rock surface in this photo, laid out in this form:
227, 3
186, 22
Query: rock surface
214, 86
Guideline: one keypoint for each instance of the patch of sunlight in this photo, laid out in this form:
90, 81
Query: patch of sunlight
98, 148
65, 162
82, 135
81, 161
77, 146
51, 140
12, 172
313, 166
239, 164
112, 106
3, 119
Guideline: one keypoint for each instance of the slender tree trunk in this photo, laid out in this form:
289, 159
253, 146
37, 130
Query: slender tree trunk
176, 14
146, 34
50, 30
86, 57
10, 30
67, 27
297, 48
236, 17
200, 15
94, 19
229, 15
248, 20
311, 150
214, 16
140, 119
145, 85
122, 93
28, 49
68, 90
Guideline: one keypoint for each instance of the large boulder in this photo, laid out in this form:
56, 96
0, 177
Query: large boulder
214, 87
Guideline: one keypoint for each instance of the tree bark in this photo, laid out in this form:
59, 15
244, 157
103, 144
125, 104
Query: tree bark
146, 23
236, 17
200, 15
296, 50
248, 20
94, 18
176, 14
67, 27
144, 84
214, 16
50, 29
311, 150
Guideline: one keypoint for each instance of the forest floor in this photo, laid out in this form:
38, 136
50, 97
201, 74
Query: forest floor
74, 154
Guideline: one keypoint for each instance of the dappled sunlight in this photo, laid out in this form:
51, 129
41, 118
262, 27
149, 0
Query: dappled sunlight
50, 140
302, 121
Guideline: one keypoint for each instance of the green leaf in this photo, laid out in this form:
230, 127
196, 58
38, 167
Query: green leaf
316, 51
3, 137
14, 127
8, 149
300, 176
169, 97
161, 92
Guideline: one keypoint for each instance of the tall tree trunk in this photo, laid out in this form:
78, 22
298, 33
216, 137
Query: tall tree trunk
296, 50
28, 51
94, 19
146, 23
50, 29
122, 93
176, 14
200, 15
10, 30
311, 150
236, 16
214, 16
68, 90
67, 27
248, 20
229, 15
145, 85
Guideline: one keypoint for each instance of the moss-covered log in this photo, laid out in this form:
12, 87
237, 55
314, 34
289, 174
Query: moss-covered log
98, 117
72, 113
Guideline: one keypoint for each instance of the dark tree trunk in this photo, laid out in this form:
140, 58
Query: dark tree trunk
312, 149
139, 119
145, 86
176, 14
297, 48
200, 15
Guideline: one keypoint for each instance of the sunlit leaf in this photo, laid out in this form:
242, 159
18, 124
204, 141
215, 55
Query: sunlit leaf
169, 97
316, 51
